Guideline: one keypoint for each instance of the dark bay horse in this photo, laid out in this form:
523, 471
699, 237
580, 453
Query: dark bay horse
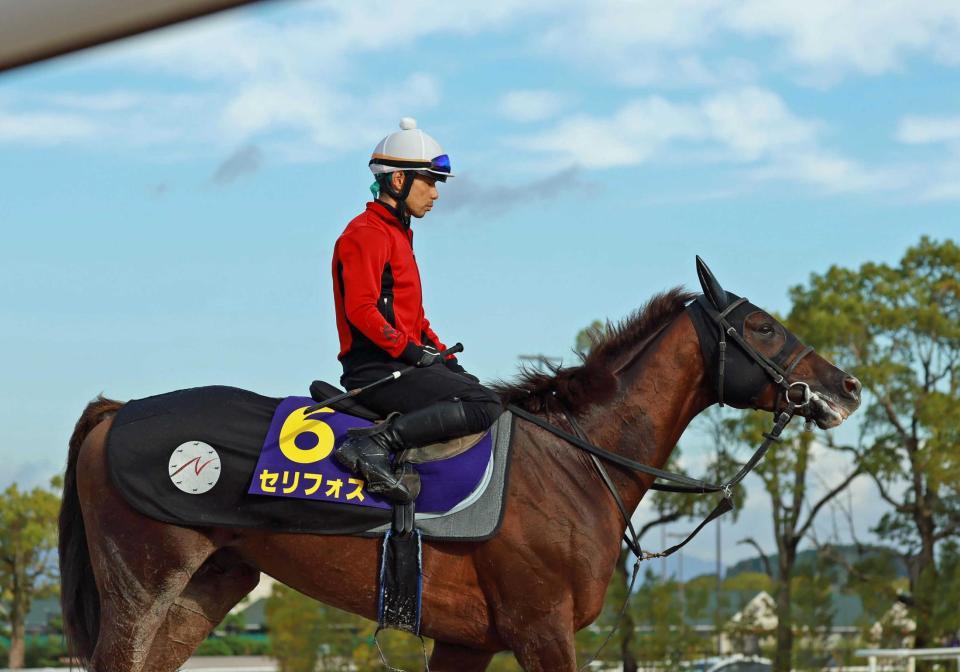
140, 595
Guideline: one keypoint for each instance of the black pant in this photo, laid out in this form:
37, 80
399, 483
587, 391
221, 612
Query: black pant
420, 388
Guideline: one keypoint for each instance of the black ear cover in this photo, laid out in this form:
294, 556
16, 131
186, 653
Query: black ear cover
711, 288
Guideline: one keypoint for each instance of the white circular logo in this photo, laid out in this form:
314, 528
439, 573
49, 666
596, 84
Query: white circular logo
194, 467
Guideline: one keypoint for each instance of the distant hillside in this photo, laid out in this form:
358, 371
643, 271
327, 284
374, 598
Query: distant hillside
806, 559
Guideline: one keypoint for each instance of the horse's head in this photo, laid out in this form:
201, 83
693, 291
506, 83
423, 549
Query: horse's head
755, 362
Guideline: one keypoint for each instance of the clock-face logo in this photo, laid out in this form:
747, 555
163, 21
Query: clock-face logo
194, 467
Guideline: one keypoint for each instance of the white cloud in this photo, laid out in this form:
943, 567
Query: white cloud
44, 128
530, 105
108, 101
748, 126
645, 42
262, 106
832, 172
941, 178
245, 77
754, 123
629, 137
640, 42
947, 189
852, 36
178, 123
332, 119
609, 30
925, 130
940, 181
323, 45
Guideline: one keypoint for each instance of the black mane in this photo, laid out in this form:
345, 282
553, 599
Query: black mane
579, 387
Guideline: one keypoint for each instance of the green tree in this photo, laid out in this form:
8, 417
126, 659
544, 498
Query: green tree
304, 633
401, 650
666, 616
784, 473
946, 616
294, 626
897, 328
749, 581
587, 336
813, 612
28, 540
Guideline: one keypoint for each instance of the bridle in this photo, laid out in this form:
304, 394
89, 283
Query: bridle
778, 370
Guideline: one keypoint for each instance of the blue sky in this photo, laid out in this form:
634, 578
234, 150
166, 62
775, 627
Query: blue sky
169, 203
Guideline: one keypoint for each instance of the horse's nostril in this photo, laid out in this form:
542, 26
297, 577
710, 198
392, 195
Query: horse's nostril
852, 387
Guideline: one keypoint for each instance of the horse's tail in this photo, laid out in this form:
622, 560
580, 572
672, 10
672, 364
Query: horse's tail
79, 599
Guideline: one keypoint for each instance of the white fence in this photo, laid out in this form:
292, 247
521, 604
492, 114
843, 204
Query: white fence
202, 664
910, 655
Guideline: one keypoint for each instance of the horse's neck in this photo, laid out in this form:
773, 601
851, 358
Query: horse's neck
661, 392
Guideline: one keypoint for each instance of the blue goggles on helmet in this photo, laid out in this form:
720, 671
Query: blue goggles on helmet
441, 163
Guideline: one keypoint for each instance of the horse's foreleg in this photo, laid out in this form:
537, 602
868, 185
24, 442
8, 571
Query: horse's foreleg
213, 591
540, 633
545, 646
454, 658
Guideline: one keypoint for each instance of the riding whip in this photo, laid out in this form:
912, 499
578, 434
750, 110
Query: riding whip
393, 376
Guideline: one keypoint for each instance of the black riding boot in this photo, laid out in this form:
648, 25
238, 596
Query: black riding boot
441, 421
367, 452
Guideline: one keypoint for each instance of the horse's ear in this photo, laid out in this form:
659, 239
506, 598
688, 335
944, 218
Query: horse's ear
711, 288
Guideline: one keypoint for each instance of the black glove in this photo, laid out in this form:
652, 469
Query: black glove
420, 356
454, 366
429, 356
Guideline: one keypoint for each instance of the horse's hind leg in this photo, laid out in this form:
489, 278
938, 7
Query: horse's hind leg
219, 584
136, 594
453, 658
141, 565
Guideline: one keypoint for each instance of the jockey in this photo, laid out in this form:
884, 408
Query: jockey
382, 326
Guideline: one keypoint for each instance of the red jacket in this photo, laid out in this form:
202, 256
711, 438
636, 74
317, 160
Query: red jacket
377, 292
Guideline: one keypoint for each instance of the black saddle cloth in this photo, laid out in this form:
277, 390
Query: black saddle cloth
234, 423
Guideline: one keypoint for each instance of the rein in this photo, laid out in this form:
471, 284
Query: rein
682, 483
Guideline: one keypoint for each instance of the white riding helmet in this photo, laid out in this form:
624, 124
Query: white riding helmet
410, 149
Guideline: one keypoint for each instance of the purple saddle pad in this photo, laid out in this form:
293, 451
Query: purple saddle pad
297, 461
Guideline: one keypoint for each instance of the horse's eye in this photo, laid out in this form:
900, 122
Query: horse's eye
765, 329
